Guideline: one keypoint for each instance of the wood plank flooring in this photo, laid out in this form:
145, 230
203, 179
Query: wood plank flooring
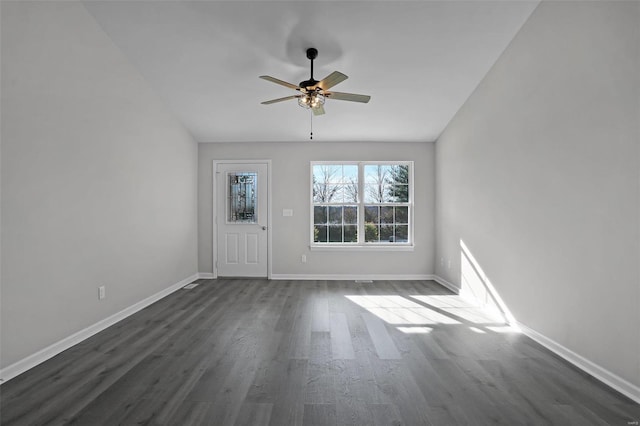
279, 353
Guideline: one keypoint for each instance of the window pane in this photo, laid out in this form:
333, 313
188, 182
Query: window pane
374, 173
334, 173
377, 178
378, 193
350, 172
320, 234
370, 195
402, 214
335, 233
400, 174
402, 234
386, 233
320, 214
335, 215
400, 193
346, 193
324, 192
241, 197
350, 192
399, 181
327, 173
325, 178
386, 214
334, 193
350, 215
372, 214
351, 234
371, 232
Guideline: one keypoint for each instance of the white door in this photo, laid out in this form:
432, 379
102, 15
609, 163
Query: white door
242, 217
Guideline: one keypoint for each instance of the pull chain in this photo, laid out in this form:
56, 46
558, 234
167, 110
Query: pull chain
311, 135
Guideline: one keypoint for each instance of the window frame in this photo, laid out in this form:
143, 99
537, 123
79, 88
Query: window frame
361, 244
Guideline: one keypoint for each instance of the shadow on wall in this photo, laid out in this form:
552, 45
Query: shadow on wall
476, 287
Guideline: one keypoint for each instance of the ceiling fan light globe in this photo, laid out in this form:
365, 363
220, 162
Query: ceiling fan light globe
304, 102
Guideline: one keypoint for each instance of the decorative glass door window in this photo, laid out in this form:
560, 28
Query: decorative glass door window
241, 197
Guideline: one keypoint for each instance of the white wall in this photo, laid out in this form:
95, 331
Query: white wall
538, 174
291, 186
98, 180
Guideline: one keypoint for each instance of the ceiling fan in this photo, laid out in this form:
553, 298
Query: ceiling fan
313, 93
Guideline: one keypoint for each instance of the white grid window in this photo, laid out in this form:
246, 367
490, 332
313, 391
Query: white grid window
361, 204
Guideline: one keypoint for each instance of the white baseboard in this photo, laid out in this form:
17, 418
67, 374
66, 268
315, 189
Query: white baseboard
621, 385
341, 277
351, 277
50, 351
446, 284
616, 382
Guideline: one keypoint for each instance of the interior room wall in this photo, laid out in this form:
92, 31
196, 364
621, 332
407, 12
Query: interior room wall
290, 190
98, 180
538, 176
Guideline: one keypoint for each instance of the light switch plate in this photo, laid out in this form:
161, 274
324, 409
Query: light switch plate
287, 212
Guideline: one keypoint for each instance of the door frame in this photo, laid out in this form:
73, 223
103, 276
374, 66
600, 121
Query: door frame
214, 212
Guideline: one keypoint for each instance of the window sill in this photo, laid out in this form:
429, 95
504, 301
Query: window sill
356, 248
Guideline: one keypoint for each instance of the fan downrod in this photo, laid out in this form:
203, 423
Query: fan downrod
312, 53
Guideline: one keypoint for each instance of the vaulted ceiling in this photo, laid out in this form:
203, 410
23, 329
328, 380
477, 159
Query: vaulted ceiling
418, 60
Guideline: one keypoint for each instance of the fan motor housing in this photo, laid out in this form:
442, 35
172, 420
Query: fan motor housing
309, 84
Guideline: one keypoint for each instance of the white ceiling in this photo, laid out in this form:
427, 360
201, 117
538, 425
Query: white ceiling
418, 60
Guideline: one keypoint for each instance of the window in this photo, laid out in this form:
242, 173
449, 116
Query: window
357, 204
241, 197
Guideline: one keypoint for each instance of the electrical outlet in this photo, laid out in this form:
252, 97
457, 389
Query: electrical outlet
442, 261
303, 258
449, 264
102, 292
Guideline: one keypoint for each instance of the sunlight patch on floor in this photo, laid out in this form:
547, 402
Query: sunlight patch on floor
458, 306
505, 329
415, 330
414, 314
398, 310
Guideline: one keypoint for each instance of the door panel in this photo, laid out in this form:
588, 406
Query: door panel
241, 219
252, 245
231, 248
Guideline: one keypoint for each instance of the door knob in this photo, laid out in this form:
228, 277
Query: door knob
264, 228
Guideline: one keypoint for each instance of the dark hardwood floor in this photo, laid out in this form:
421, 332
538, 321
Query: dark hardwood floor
280, 353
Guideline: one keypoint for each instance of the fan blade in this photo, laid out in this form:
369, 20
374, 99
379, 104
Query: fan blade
319, 110
331, 80
348, 97
273, 101
280, 82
